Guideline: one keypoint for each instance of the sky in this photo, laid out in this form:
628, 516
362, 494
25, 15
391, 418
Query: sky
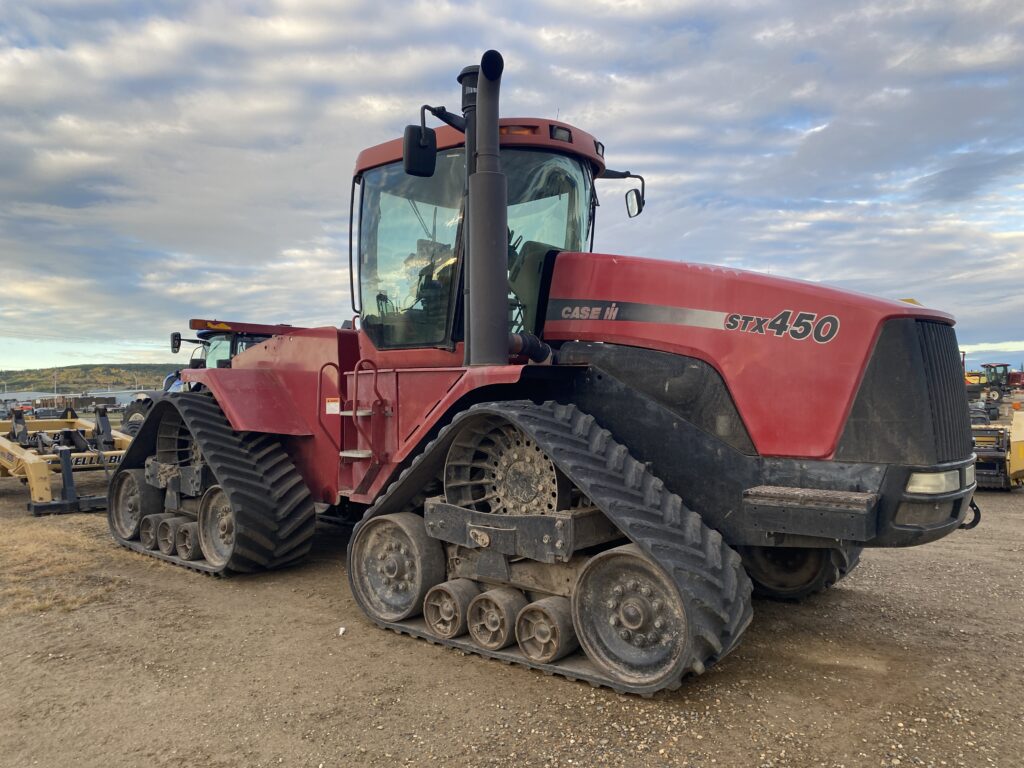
161, 160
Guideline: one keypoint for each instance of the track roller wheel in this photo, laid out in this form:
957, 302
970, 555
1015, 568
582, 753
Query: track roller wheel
130, 499
492, 617
793, 573
167, 532
393, 564
446, 607
186, 541
630, 618
148, 529
544, 630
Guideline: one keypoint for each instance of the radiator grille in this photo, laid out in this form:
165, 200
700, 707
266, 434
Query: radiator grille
947, 393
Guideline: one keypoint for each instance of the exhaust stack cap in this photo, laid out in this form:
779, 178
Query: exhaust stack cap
492, 65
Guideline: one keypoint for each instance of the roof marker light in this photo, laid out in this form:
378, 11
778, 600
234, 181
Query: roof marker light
558, 133
517, 130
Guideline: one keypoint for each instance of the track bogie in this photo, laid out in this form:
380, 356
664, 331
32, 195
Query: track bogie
601, 575
224, 500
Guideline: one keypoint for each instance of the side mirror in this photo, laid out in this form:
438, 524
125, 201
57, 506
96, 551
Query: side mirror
175, 342
634, 203
419, 150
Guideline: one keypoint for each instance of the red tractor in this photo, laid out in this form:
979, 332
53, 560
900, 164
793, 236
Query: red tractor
579, 462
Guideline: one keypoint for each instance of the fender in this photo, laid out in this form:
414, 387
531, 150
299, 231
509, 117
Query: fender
253, 400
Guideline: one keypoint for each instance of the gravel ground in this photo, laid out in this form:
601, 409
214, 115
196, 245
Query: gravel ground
108, 658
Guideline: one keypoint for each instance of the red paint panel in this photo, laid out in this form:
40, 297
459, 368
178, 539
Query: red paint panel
298, 365
426, 396
793, 395
253, 401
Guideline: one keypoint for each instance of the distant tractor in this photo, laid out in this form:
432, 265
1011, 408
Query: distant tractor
994, 382
582, 463
217, 343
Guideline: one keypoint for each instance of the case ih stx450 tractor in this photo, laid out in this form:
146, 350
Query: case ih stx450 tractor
582, 463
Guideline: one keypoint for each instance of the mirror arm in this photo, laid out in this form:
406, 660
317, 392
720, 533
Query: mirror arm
448, 118
610, 174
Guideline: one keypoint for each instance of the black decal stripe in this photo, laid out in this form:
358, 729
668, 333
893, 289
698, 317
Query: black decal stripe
637, 313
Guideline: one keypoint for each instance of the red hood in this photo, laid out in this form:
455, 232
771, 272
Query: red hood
793, 376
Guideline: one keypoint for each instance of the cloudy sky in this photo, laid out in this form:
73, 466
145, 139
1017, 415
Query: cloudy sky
161, 160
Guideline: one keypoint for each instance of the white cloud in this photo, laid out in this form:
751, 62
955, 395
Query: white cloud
173, 159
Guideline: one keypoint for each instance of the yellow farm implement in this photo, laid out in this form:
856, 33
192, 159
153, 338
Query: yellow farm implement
1000, 451
37, 449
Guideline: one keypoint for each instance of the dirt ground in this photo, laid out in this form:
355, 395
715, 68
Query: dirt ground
108, 658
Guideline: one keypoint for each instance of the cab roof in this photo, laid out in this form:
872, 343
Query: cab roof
515, 132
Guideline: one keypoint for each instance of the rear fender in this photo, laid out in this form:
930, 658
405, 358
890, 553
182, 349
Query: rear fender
253, 400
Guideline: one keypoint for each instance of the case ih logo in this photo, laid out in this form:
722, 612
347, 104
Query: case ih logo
796, 325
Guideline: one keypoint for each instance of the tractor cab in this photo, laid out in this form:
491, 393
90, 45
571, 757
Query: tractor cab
997, 374
409, 233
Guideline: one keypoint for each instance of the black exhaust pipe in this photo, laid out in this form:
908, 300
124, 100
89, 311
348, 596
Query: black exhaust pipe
488, 227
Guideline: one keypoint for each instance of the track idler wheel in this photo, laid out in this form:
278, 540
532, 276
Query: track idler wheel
492, 617
393, 566
630, 618
446, 607
167, 532
148, 529
216, 527
544, 630
186, 541
130, 499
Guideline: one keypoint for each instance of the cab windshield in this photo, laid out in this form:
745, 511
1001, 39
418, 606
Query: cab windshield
410, 230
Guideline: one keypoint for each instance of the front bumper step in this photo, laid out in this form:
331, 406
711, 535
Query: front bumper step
846, 515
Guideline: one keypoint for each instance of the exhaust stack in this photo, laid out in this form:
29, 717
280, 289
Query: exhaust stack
487, 216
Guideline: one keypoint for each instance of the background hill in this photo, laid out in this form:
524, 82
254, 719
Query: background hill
82, 378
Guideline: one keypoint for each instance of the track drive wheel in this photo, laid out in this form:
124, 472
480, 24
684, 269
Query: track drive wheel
793, 573
630, 618
495, 467
393, 564
130, 499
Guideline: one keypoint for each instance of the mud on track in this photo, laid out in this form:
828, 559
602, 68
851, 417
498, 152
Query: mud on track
108, 658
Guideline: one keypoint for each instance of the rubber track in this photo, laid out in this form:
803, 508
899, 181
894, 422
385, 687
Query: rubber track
707, 572
274, 515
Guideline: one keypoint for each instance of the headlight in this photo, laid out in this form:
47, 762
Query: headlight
969, 476
934, 482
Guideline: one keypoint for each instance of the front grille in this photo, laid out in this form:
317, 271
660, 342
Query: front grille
947, 393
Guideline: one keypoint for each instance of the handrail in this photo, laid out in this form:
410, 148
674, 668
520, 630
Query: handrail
355, 399
319, 392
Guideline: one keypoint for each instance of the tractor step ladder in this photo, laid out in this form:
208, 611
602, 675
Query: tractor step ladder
370, 441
